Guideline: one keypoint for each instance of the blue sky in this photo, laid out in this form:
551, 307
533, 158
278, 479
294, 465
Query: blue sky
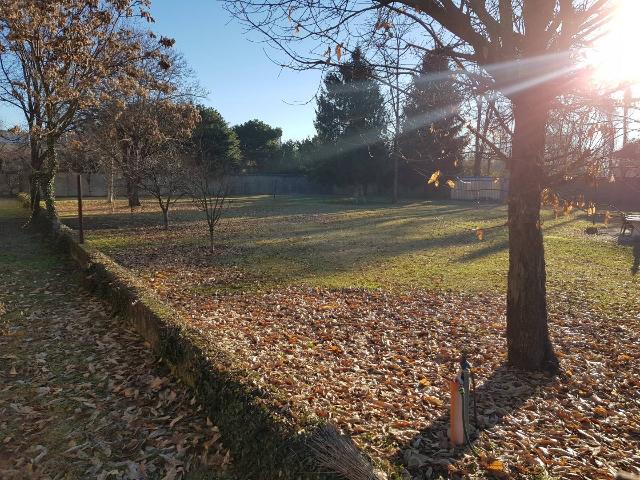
242, 82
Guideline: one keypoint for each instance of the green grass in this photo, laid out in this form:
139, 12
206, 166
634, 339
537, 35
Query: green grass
335, 242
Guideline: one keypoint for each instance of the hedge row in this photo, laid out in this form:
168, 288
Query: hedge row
267, 440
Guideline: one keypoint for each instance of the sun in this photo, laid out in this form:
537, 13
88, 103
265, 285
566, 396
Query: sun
615, 53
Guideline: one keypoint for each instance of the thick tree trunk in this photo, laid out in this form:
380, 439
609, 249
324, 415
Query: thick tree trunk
34, 193
34, 178
48, 177
133, 193
529, 345
49, 192
477, 154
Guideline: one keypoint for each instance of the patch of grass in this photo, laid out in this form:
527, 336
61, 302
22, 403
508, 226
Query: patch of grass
337, 242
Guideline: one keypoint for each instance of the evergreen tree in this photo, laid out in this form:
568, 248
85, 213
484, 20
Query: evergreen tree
260, 144
216, 142
351, 125
294, 156
431, 138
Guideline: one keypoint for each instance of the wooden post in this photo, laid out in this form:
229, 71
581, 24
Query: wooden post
80, 225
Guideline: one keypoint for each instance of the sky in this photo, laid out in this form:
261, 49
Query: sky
242, 82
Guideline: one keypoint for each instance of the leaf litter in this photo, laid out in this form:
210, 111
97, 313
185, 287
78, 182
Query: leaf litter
376, 363
81, 397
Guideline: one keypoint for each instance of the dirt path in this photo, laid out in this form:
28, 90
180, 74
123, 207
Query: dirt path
80, 397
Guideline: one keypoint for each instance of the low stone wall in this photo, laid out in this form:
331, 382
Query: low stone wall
267, 440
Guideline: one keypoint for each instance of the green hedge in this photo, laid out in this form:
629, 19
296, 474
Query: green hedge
267, 440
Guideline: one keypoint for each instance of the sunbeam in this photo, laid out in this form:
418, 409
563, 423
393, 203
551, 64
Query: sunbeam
514, 77
614, 54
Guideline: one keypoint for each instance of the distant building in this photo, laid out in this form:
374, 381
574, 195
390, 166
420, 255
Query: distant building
627, 161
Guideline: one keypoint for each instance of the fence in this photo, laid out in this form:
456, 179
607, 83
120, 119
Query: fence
623, 193
480, 189
12, 183
95, 185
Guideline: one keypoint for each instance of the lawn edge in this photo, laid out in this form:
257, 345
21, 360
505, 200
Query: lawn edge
266, 439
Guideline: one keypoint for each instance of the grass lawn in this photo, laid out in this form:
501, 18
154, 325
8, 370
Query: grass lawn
359, 311
336, 243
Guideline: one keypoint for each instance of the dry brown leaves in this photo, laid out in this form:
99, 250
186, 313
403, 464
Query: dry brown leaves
376, 363
79, 396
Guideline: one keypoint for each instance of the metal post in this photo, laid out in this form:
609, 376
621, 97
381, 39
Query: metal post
80, 225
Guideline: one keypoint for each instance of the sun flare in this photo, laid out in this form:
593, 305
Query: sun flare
615, 54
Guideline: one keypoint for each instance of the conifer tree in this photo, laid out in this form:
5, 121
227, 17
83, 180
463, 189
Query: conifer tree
351, 125
432, 131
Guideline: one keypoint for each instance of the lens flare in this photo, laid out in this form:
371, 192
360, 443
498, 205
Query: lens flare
615, 54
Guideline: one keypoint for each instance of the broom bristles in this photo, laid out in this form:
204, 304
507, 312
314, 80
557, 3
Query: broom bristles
339, 454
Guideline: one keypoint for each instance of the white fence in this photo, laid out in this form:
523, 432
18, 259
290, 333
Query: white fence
480, 189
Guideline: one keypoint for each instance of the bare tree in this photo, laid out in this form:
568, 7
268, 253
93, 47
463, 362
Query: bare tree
392, 51
164, 179
133, 128
526, 50
209, 191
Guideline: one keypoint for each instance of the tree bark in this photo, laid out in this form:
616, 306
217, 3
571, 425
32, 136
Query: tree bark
528, 341
485, 131
48, 177
34, 178
211, 243
395, 172
111, 184
34, 193
165, 217
133, 193
477, 154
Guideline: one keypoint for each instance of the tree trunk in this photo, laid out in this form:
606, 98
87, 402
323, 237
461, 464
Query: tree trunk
165, 217
48, 177
395, 173
211, 244
528, 342
111, 184
132, 193
34, 178
49, 192
485, 131
477, 154
34, 193
395, 151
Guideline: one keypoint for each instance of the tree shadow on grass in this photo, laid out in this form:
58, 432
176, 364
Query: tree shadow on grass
501, 245
491, 249
150, 216
505, 391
